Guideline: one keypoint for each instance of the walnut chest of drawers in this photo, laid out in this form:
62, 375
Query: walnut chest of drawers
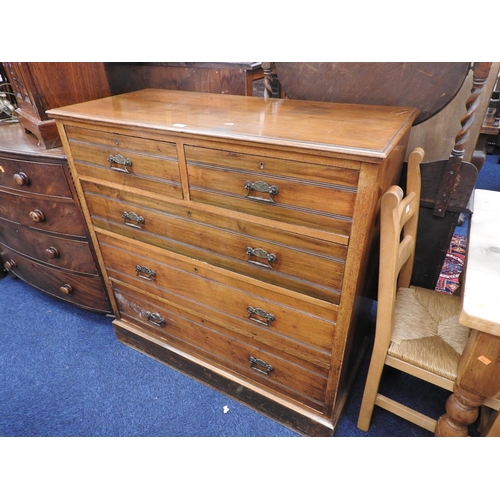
235, 233
44, 239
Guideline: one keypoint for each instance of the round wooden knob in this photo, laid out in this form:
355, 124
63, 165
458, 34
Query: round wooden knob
21, 179
37, 216
9, 265
51, 253
66, 289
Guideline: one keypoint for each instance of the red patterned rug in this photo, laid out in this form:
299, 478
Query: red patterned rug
449, 278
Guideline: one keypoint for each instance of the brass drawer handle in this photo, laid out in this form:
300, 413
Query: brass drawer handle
261, 187
145, 273
119, 160
21, 179
131, 216
260, 316
156, 319
260, 366
260, 254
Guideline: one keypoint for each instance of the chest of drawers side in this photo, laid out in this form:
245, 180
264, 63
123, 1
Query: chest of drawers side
361, 270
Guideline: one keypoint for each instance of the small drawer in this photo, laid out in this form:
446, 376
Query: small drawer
55, 215
246, 358
70, 254
32, 177
298, 262
251, 305
131, 162
84, 291
267, 187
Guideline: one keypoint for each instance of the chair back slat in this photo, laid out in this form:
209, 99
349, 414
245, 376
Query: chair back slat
411, 207
399, 222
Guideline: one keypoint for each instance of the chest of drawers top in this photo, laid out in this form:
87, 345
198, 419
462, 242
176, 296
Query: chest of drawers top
365, 131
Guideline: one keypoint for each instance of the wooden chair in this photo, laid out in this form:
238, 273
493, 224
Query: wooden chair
417, 329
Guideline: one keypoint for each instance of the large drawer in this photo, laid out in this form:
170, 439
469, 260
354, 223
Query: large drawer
32, 177
131, 162
56, 215
61, 252
298, 262
246, 358
297, 323
301, 193
84, 291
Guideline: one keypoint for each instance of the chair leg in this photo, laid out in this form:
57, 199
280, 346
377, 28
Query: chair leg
371, 389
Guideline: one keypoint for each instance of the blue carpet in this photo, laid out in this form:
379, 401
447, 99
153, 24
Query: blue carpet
65, 374
489, 175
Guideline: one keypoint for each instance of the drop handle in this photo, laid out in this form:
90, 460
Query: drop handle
259, 253
21, 179
119, 160
261, 187
133, 220
156, 318
260, 365
145, 273
37, 216
260, 316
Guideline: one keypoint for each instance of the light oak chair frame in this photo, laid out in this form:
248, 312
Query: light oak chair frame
399, 222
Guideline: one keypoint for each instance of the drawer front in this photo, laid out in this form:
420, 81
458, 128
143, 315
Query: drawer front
47, 214
247, 305
31, 177
71, 254
84, 291
131, 162
266, 187
306, 265
244, 357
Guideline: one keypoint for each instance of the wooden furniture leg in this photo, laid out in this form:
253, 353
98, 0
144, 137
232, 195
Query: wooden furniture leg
478, 379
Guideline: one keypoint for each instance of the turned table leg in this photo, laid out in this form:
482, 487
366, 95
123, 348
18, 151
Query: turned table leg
478, 379
462, 409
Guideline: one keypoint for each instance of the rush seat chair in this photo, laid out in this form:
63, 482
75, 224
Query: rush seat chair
417, 329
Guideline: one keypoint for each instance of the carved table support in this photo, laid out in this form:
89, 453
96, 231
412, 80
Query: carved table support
268, 78
451, 177
478, 379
